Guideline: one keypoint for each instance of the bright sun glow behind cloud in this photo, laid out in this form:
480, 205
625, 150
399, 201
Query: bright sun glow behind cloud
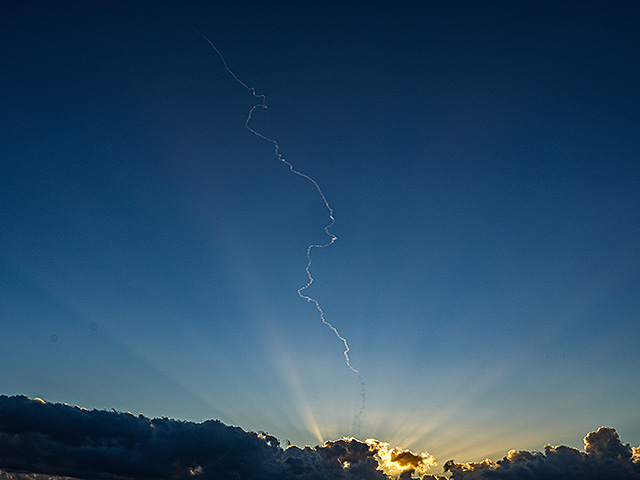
394, 460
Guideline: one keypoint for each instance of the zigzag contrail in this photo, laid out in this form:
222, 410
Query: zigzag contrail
332, 237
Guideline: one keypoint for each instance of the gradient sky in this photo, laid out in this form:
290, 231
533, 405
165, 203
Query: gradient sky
483, 163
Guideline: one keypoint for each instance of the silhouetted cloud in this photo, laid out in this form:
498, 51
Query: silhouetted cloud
54, 439
604, 457
44, 441
63, 440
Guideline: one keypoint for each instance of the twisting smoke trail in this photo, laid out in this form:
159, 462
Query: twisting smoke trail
333, 238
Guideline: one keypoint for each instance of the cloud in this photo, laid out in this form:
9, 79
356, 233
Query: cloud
63, 440
395, 461
347, 458
604, 457
45, 440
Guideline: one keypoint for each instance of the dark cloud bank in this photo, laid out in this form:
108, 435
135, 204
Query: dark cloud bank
39, 440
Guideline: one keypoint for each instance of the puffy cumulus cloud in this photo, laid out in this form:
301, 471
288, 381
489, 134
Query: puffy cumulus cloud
347, 458
605, 457
395, 461
58, 439
44, 441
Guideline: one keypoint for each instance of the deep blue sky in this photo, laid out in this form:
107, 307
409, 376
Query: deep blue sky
482, 160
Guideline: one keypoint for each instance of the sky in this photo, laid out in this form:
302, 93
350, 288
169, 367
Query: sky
481, 160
